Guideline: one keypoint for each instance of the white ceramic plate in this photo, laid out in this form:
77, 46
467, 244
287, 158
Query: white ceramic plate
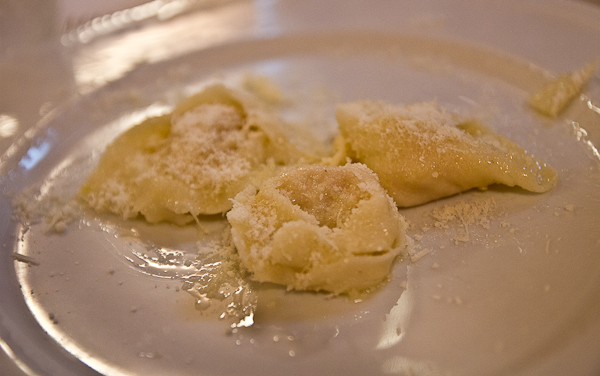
520, 296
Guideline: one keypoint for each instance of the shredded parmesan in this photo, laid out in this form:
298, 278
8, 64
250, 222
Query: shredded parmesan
55, 212
416, 256
472, 213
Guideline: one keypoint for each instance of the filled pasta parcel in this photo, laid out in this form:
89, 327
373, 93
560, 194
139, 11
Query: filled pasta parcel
192, 161
319, 228
422, 152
